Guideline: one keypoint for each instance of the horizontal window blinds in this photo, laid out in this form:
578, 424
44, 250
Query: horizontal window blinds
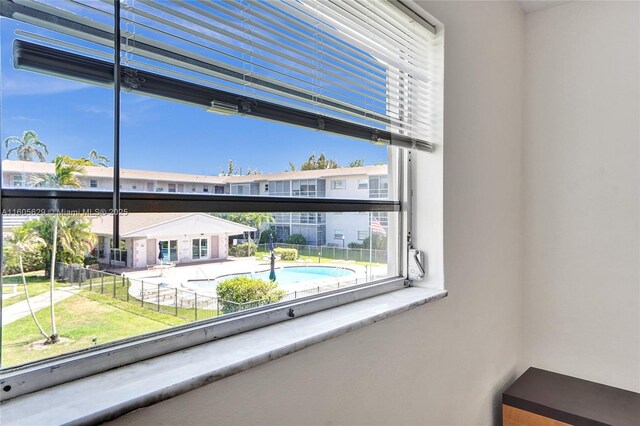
359, 61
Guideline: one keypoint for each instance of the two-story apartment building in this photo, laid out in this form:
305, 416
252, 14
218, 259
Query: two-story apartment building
338, 229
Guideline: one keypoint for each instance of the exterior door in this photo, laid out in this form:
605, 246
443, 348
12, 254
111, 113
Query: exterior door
151, 251
214, 247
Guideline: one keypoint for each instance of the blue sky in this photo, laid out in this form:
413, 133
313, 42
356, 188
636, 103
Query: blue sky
74, 118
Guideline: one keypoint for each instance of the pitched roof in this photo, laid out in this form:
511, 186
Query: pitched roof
151, 225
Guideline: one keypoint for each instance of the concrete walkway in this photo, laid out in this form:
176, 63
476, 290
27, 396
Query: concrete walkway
21, 309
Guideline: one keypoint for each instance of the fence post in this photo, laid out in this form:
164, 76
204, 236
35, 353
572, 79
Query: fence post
115, 284
176, 301
158, 298
142, 293
126, 287
195, 296
102, 283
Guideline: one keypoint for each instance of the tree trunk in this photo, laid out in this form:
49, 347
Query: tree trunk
26, 294
54, 333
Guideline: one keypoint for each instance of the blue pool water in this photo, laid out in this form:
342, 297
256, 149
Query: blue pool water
285, 276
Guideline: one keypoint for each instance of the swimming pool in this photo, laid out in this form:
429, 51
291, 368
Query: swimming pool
285, 277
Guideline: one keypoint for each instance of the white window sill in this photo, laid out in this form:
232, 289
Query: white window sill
105, 396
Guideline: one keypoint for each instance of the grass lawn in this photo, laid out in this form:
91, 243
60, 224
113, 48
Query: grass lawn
80, 319
36, 283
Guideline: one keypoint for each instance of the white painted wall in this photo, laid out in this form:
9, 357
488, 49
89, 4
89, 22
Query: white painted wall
444, 363
581, 298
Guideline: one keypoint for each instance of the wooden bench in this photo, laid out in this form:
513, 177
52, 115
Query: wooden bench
540, 397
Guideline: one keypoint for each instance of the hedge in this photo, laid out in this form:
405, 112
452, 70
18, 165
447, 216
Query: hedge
240, 250
286, 253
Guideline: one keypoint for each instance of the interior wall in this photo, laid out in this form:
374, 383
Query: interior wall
581, 294
446, 362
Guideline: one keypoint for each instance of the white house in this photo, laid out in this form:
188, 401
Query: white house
182, 238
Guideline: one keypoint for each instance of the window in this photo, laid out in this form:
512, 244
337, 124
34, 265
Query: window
93, 183
17, 181
181, 187
177, 76
338, 184
168, 251
134, 187
363, 235
378, 187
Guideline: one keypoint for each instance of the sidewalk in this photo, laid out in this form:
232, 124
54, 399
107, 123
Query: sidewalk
21, 309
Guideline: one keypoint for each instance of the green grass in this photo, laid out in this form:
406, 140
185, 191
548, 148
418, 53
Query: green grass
80, 319
36, 284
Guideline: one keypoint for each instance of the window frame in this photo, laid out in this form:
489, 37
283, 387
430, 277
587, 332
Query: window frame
45, 373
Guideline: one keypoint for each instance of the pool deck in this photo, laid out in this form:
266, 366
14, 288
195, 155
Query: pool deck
179, 275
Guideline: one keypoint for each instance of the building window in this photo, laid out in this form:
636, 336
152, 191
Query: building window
17, 181
338, 235
205, 189
363, 183
93, 183
363, 235
172, 187
338, 184
181, 187
150, 187
134, 187
378, 187
169, 251
159, 189
219, 189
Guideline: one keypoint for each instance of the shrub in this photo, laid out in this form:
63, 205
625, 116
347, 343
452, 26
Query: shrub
31, 261
264, 236
296, 239
243, 250
241, 290
379, 242
286, 253
90, 260
355, 245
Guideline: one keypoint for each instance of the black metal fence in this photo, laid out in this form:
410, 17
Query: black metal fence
166, 299
158, 297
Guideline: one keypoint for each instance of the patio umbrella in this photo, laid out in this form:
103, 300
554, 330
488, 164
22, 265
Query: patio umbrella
161, 255
272, 273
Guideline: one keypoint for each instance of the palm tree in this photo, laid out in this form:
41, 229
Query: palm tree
97, 159
25, 240
27, 147
64, 176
